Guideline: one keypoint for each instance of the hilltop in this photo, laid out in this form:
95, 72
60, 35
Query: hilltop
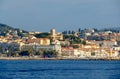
4, 29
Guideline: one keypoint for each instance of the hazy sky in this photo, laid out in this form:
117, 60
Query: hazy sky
42, 15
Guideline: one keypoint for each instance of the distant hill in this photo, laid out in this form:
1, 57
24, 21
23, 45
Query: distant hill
5, 29
116, 28
113, 29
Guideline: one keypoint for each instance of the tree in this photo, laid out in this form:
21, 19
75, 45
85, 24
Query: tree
64, 32
24, 53
64, 45
43, 35
28, 51
75, 46
79, 30
50, 54
73, 32
83, 42
69, 32
96, 30
75, 40
39, 52
14, 54
0, 49
31, 52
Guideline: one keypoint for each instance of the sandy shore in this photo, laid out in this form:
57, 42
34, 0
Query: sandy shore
38, 58
26, 58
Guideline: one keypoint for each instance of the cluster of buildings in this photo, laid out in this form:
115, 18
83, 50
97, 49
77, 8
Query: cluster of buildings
93, 49
102, 44
11, 44
98, 45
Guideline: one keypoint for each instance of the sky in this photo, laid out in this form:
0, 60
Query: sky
43, 15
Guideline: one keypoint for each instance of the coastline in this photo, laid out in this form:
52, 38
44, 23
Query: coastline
38, 58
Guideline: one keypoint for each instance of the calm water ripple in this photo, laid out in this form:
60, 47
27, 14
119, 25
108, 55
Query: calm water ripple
59, 69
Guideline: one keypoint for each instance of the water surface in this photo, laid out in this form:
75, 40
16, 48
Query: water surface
59, 69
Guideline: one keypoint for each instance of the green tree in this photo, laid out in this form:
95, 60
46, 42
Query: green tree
14, 54
28, 51
0, 49
24, 53
31, 52
75, 46
43, 35
50, 54
75, 40
64, 45
39, 52
83, 42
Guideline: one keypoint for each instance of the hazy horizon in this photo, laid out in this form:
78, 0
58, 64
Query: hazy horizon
43, 15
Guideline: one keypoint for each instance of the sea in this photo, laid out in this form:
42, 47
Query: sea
59, 69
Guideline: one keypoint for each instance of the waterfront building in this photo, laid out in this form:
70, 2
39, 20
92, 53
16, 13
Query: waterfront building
67, 51
37, 47
80, 53
116, 47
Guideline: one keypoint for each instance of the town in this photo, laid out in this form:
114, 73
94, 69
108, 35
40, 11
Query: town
75, 44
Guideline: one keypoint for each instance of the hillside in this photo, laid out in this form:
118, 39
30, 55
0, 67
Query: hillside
5, 29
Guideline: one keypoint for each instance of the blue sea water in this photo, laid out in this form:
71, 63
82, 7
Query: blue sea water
59, 69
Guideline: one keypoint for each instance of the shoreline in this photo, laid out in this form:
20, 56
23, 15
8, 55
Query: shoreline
38, 58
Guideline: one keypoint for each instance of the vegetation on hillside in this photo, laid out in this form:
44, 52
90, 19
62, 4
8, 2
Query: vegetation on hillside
43, 35
4, 29
73, 39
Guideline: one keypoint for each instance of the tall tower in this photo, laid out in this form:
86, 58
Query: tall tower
53, 34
